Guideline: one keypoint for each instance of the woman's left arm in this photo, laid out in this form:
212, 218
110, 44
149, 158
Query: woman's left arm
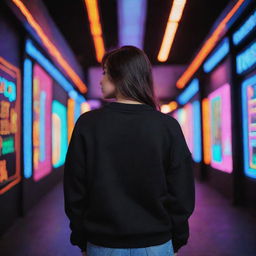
74, 186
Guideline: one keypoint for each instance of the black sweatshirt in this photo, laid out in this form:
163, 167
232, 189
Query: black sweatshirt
128, 178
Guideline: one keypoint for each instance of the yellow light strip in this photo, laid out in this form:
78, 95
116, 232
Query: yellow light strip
51, 47
207, 47
206, 131
95, 26
171, 28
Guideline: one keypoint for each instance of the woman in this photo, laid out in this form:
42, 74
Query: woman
128, 176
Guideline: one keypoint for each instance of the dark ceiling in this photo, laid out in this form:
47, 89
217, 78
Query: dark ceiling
197, 20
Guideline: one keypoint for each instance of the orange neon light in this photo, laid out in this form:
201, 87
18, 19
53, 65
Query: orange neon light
15, 73
95, 26
173, 105
207, 47
71, 119
171, 28
206, 131
51, 47
167, 108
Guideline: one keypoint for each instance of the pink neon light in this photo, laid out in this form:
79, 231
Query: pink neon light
43, 83
226, 164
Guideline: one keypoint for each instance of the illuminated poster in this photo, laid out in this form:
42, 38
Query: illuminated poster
9, 126
249, 125
42, 99
220, 129
189, 119
59, 133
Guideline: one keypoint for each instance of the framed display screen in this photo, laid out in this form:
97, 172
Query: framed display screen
249, 125
220, 128
9, 125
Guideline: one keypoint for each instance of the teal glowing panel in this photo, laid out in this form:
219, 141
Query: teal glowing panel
59, 133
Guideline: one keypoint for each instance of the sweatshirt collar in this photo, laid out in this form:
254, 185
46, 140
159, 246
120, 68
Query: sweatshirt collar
128, 106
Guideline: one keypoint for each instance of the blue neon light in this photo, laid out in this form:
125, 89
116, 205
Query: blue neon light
189, 92
131, 19
245, 29
250, 172
27, 118
218, 55
47, 65
197, 132
246, 59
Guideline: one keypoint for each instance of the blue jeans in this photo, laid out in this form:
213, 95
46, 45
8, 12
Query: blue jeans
165, 249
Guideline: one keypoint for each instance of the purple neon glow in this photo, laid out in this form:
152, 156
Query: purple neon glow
224, 129
42, 84
131, 19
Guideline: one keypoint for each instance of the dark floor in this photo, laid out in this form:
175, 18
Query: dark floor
216, 229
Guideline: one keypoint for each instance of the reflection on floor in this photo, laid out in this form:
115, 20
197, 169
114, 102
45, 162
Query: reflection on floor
216, 229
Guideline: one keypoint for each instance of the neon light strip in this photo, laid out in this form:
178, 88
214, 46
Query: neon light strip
206, 131
27, 118
171, 28
71, 117
197, 131
246, 59
245, 29
218, 55
207, 47
247, 148
189, 92
42, 126
48, 66
131, 23
51, 47
95, 26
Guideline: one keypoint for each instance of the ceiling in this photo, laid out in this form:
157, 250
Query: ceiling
198, 17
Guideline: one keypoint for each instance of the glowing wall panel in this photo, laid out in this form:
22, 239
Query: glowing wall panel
42, 99
249, 125
59, 133
10, 89
189, 118
220, 129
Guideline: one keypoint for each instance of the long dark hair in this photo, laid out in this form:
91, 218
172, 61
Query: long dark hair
130, 70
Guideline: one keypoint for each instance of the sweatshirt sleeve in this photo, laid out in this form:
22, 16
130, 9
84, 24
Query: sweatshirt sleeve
75, 196
181, 187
